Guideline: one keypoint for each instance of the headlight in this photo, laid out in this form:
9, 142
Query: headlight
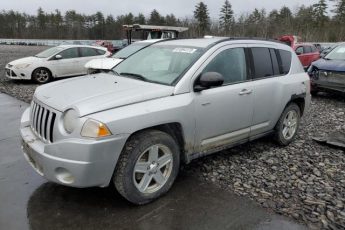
21, 66
70, 120
94, 129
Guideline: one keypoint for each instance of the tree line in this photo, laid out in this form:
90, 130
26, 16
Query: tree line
312, 23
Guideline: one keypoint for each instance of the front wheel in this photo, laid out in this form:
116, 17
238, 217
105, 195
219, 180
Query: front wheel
148, 166
288, 124
41, 75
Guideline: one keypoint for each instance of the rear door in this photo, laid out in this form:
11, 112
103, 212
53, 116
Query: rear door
266, 91
223, 114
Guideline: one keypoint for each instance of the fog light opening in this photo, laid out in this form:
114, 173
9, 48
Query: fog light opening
64, 176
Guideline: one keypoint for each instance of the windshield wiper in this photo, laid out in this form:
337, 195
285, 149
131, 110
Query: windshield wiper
134, 75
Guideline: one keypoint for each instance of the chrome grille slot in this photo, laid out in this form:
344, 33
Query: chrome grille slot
42, 121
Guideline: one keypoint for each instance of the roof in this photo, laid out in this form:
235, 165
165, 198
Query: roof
153, 27
206, 42
73, 46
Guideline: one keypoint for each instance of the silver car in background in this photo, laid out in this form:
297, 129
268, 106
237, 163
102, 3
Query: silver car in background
169, 103
106, 64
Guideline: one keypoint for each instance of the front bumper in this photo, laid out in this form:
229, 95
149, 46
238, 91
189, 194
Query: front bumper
17, 74
72, 162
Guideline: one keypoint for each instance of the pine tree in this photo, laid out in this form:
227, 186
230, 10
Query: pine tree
201, 14
339, 10
156, 18
320, 12
226, 18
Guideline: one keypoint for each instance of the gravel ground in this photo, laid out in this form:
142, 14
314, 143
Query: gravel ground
305, 180
22, 90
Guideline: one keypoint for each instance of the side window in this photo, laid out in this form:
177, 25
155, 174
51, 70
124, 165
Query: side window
100, 52
284, 60
231, 64
314, 49
69, 53
299, 50
262, 63
88, 52
274, 62
307, 49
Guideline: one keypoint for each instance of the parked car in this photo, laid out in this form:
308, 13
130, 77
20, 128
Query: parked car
307, 53
106, 44
328, 49
60, 61
328, 73
106, 64
171, 102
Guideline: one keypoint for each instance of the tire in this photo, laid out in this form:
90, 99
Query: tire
41, 75
314, 92
135, 168
281, 135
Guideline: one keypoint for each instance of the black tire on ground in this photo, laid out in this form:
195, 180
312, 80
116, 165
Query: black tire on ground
314, 92
41, 75
279, 136
124, 178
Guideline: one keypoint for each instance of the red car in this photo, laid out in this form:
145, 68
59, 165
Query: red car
307, 53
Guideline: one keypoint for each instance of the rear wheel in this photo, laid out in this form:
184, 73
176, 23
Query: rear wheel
288, 124
148, 166
41, 75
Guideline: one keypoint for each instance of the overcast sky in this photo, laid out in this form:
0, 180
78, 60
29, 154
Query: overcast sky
180, 8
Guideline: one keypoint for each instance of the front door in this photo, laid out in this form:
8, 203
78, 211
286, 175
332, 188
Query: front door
224, 114
66, 66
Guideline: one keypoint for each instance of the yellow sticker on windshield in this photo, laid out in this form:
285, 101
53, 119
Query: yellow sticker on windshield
184, 50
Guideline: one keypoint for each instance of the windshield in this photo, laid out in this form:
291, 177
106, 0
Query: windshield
49, 52
159, 64
129, 50
337, 53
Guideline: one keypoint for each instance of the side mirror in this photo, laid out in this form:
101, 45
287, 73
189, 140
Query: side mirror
58, 57
208, 80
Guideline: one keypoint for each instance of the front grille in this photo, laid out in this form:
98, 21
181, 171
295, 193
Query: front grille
42, 121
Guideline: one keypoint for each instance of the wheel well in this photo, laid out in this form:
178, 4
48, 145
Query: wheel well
173, 129
300, 102
32, 74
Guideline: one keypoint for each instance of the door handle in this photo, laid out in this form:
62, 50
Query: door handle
245, 92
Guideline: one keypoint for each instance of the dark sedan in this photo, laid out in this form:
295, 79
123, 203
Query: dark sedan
328, 73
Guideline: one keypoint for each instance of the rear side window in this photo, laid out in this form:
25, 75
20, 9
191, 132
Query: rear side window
262, 63
88, 52
284, 61
274, 62
307, 49
314, 49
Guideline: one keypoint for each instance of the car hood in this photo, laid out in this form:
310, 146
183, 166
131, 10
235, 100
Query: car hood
103, 63
330, 65
93, 93
26, 60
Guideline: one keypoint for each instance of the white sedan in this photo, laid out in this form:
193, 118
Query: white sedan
106, 64
60, 61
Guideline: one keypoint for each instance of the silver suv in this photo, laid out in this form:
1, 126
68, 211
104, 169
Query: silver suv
171, 102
